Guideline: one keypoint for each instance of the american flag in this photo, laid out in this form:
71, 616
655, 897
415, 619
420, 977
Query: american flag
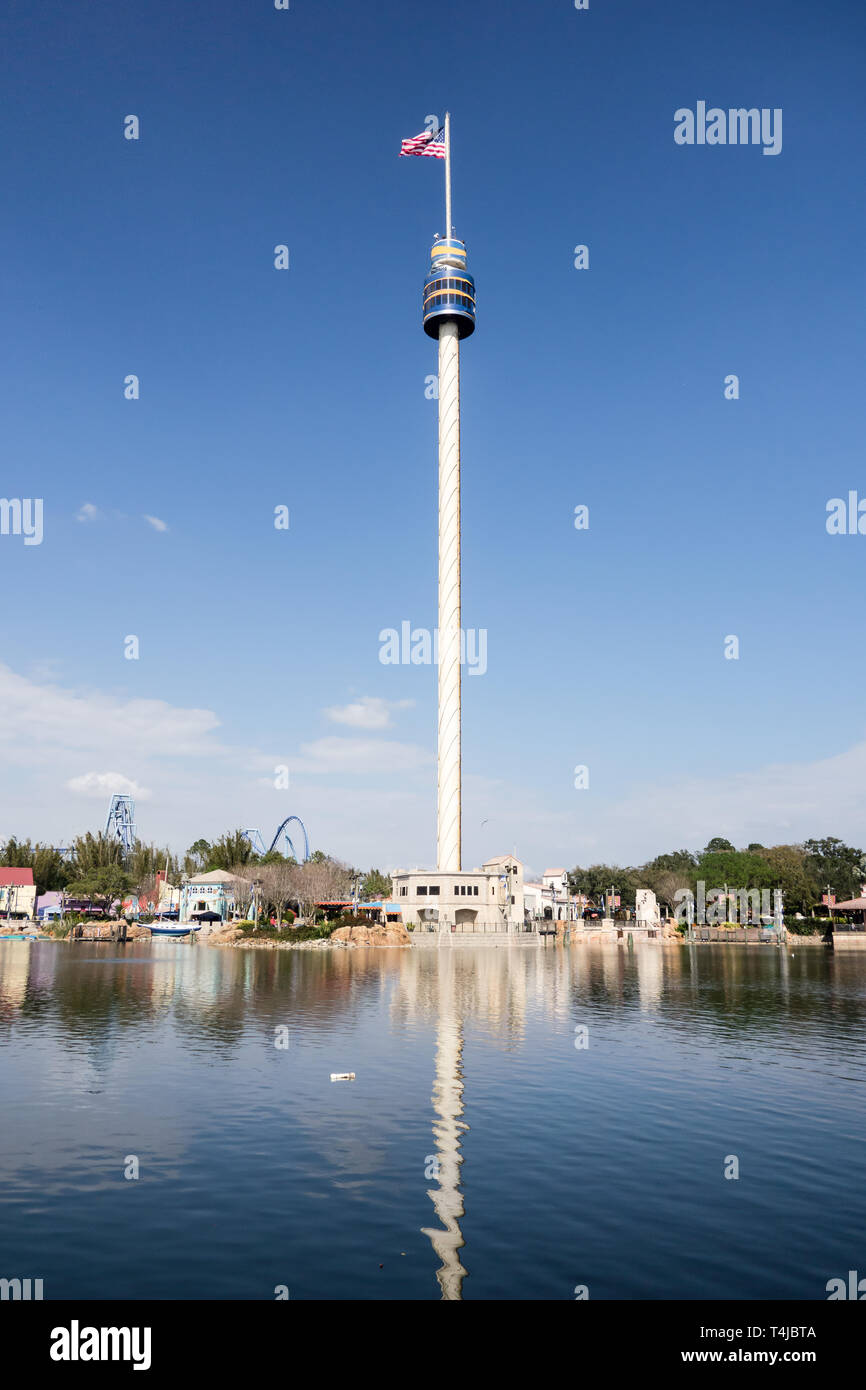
426, 143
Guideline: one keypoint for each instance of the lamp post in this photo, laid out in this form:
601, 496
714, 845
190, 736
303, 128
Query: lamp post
831, 902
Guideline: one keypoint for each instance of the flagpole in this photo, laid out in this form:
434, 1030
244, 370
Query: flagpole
448, 175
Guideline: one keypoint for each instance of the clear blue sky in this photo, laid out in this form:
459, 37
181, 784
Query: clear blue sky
306, 387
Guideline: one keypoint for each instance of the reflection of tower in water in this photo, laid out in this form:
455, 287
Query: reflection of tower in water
447, 1099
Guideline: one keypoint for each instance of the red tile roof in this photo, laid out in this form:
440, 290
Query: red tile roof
16, 878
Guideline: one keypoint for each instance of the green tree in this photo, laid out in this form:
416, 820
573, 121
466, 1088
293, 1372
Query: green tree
230, 850
678, 861
146, 861
599, 878
17, 854
832, 861
50, 870
668, 874
90, 852
737, 868
273, 856
790, 870
110, 881
375, 885
197, 857
718, 845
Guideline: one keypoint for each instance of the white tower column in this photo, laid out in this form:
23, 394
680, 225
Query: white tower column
449, 827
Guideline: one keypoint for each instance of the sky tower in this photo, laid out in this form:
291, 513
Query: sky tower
449, 315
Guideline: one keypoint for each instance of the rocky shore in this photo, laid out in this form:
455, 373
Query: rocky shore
389, 934
233, 936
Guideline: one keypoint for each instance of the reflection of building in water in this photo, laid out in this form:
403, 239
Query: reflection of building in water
490, 985
447, 1098
611, 971
650, 974
498, 987
14, 972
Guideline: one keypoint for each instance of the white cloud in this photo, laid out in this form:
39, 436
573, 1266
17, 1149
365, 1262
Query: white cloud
88, 512
105, 785
775, 804
46, 669
370, 712
372, 799
155, 522
366, 755
779, 803
37, 722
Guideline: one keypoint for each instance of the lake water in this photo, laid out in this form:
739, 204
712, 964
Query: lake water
558, 1165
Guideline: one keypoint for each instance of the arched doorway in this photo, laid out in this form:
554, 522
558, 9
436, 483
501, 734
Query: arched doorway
464, 918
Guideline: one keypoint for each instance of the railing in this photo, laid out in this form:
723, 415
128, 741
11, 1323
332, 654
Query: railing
734, 934
479, 929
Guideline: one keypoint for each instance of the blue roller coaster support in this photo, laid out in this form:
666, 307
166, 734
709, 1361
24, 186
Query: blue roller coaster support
258, 844
255, 839
120, 821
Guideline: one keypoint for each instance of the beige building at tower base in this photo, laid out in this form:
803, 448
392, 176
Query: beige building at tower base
489, 899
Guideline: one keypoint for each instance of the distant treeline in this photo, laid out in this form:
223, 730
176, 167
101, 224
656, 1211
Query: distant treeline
96, 866
802, 871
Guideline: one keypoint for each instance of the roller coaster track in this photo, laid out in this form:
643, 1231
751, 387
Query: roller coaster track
255, 839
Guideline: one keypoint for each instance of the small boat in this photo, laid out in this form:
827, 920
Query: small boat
172, 931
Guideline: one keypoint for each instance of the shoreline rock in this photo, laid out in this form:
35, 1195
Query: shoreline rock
376, 934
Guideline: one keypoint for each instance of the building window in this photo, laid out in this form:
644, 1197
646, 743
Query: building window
421, 891
456, 889
434, 888
403, 892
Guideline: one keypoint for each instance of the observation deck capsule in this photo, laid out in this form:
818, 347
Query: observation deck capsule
449, 290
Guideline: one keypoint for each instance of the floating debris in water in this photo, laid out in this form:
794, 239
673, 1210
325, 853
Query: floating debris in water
342, 1076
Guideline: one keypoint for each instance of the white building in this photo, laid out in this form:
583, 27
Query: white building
214, 891
551, 900
565, 906
489, 899
17, 893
